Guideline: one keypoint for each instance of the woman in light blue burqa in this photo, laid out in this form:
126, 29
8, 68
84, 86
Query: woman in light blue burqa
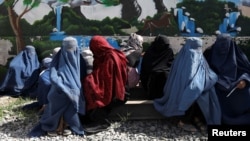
190, 82
65, 98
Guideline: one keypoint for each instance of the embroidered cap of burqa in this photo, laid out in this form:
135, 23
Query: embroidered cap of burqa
22, 74
65, 98
190, 80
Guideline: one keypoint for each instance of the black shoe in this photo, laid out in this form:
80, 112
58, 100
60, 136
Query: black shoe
96, 127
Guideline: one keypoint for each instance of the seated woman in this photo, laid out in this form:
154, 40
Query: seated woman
133, 50
22, 74
44, 84
65, 98
233, 87
42, 89
155, 66
190, 83
104, 87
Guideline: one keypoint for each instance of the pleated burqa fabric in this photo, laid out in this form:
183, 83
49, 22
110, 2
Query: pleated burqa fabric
190, 80
65, 98
22, 74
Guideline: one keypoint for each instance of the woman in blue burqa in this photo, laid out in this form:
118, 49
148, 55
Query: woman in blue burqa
233, 69
42, 89
190, 84
65, 98
22, 74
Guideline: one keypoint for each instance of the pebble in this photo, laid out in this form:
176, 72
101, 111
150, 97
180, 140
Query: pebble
16, 129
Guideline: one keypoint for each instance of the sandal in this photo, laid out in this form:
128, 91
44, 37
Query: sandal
52, 134
187, 127
96, 127
66, 132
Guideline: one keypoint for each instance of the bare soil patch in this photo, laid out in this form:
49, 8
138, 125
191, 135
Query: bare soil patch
6, 100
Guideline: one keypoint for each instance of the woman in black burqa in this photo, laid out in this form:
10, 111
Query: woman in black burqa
156, 64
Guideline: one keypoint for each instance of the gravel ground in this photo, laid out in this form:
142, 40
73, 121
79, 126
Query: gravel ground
15, 127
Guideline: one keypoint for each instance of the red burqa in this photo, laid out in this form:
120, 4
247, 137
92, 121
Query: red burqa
109, 76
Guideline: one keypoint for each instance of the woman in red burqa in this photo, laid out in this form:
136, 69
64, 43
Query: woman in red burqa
104, 88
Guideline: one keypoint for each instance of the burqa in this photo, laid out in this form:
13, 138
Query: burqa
155, 66
44, 83
22, 74
190, 80
65, 97
232, 66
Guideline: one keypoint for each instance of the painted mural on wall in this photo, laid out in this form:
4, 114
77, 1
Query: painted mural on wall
44, 23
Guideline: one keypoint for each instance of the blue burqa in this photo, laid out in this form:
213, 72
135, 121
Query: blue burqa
43, 87
43, 83
65, 98
190, 80
231, 65
22, 74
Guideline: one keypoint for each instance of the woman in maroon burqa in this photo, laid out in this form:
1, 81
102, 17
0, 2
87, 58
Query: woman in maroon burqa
105, 86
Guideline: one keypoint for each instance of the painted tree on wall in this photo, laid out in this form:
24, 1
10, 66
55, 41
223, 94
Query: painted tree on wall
15, 19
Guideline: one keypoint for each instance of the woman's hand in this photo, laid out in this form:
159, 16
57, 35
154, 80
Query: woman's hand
241, 84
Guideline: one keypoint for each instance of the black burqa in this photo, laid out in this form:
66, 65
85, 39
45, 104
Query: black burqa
156, 64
